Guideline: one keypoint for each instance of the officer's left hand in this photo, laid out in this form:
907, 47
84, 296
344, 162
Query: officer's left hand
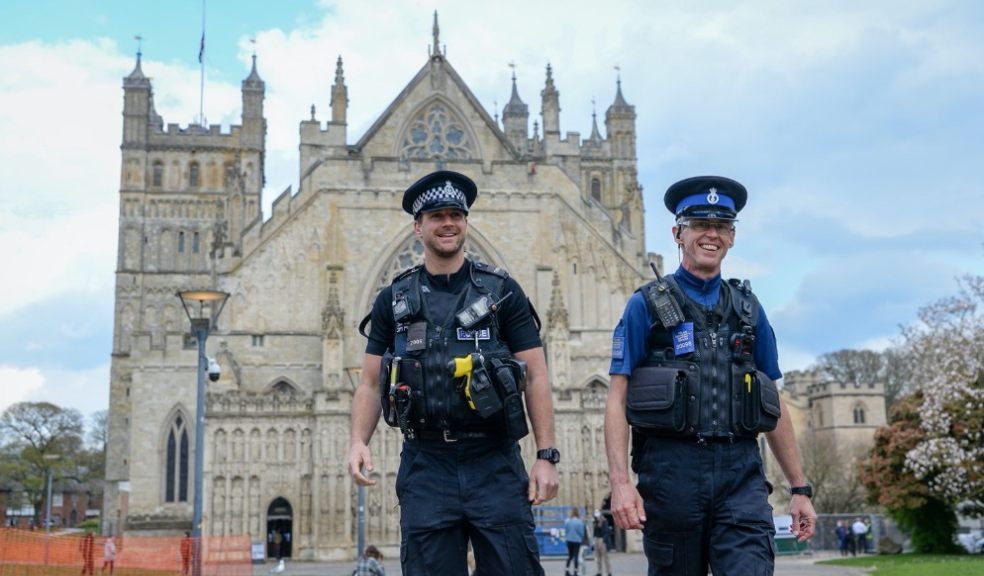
543, 482
804, 517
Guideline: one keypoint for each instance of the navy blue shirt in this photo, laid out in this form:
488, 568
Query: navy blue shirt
629, 339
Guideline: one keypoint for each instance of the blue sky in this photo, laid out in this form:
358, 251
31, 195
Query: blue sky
856, 126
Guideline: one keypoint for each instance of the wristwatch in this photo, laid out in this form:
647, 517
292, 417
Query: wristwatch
551, 455
804, 490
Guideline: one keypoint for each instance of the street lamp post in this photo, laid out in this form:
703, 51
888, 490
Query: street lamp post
201, 324
360, 530
47, 503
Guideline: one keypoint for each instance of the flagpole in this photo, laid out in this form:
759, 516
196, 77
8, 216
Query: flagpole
201, 63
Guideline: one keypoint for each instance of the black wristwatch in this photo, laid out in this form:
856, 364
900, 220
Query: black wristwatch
804, 490
551, 455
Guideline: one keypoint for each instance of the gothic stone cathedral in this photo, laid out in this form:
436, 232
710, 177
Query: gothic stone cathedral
563, 214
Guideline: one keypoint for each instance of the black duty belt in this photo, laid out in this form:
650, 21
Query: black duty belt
696, 438
453, 435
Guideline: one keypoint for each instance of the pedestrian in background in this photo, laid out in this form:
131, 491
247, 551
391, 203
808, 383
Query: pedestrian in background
600, 530
109, 555
370, 563
574, 535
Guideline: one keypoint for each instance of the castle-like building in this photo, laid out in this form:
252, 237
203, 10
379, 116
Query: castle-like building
562, 213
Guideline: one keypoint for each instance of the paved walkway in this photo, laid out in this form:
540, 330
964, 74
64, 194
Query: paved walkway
622, 564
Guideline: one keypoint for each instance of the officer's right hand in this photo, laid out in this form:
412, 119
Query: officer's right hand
359, 457
627, 507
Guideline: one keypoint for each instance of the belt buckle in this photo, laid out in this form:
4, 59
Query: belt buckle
445, 434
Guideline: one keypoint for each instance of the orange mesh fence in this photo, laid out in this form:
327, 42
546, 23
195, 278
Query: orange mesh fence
24, 553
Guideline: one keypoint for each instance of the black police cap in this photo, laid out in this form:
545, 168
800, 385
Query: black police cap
706, 197
437, 190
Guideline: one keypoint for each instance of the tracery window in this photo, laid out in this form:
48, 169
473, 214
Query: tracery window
282, 387
436, 134
594, 395
412, 254
596, 189
176, 467
193, 175
158, 177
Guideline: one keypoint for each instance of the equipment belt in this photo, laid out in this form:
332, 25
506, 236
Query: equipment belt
453, 435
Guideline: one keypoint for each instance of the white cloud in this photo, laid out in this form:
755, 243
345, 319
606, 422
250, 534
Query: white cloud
84, 390
19, 384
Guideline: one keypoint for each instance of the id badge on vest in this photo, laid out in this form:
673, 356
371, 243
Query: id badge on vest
683, 338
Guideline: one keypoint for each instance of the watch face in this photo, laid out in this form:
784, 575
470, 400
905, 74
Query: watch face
551, 455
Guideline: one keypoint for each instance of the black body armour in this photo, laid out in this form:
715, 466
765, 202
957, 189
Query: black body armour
715, 391
428, 338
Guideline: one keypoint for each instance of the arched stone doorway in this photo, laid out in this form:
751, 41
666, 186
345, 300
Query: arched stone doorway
280, 529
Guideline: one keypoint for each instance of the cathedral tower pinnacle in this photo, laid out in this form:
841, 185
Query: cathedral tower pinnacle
550, 106
515, 118
339, 95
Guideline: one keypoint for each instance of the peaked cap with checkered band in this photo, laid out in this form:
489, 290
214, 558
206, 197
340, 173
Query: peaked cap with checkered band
441, 189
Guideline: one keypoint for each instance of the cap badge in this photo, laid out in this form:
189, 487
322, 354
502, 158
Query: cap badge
712, 196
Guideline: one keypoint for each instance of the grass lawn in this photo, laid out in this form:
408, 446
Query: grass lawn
916, 564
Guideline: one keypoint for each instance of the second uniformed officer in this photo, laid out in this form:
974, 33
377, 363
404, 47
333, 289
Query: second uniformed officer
694, 365
452, 344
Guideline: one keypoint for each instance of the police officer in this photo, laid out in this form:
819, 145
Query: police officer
694, 365
449, 344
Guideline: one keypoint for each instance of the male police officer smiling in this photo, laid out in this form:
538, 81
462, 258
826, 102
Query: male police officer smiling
450, 344
694, 365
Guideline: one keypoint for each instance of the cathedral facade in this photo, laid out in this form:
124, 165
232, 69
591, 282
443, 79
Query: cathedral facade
563, 214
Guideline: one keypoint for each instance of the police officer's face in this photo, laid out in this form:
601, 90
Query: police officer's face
442, 231
705, 244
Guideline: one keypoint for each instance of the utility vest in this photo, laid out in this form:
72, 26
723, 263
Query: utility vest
430, 343
699, 378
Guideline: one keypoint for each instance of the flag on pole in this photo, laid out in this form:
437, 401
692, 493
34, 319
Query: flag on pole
201, 49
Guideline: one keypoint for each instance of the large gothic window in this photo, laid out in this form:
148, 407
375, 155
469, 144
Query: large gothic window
176, 467
436, 133
412, 254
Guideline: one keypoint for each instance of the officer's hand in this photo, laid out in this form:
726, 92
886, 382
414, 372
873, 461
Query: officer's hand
543, 482
359, 457
627, 507
804, 517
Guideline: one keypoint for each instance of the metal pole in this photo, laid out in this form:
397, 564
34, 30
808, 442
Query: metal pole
47, 518
201, 333
361, 534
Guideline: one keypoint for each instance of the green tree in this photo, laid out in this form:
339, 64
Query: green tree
38, 438
927, 462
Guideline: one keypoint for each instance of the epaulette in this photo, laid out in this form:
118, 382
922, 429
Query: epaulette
745, 304
406, 273
483, 267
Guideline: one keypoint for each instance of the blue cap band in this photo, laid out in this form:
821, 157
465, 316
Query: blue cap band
711, 199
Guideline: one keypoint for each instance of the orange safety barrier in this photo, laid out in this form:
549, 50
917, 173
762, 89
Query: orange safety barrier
29, 553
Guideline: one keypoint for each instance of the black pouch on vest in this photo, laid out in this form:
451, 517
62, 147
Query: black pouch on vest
385, 399
659, 398
513, 413
759, 408
412, 374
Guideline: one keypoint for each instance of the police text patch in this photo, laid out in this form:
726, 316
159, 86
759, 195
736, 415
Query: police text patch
483, 334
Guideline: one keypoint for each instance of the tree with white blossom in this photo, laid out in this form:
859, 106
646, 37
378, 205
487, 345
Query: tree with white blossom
928, 463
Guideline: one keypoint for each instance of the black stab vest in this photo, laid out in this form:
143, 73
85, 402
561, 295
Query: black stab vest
439, 401
709, 392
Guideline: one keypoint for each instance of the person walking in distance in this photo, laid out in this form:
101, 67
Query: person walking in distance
600, 534
109, 555
574, 535
454, 349
694, 365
